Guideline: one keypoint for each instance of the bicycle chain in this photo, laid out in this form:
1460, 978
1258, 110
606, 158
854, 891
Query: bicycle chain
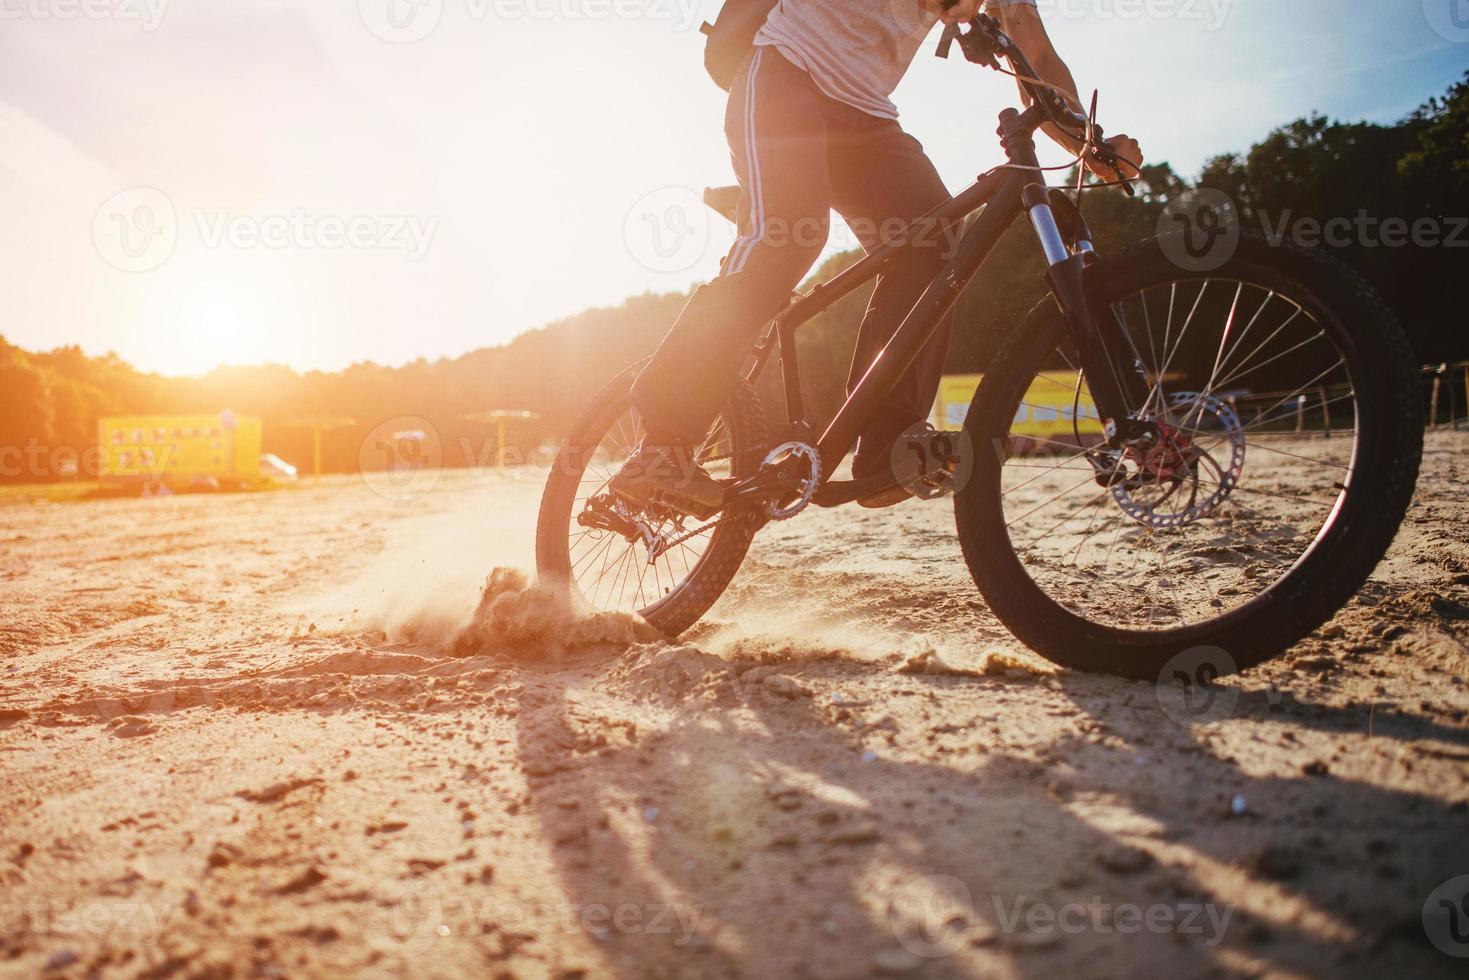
689, 535
673, 542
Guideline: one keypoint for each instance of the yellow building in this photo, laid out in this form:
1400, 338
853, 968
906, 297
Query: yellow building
180, 451
1045, 412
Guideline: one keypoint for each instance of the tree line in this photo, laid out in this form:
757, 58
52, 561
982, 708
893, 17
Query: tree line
1391, 200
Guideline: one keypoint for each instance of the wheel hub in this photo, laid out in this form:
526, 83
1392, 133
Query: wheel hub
1177, 479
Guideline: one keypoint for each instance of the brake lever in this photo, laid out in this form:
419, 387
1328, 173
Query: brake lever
978, 49
946, 40
1123, 181
1102, 151
974, 43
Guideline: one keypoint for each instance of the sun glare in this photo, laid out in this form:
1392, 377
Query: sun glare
211, 324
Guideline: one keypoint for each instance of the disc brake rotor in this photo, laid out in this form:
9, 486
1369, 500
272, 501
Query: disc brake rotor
1181, 479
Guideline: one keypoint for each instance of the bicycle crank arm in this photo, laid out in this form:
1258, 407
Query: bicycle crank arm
935, 478
838, 493
763, 487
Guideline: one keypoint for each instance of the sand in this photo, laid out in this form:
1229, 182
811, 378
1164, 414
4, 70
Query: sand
289, 735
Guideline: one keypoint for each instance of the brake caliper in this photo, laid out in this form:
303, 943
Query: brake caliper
1169, 458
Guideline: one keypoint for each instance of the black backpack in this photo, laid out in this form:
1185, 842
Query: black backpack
731, 37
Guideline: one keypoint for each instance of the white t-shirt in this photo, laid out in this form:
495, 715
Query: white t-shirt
855, 50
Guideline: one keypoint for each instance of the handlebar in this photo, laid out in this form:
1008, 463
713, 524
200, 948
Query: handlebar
984, 43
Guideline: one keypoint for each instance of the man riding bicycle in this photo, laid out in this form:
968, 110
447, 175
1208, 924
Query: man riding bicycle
812, 128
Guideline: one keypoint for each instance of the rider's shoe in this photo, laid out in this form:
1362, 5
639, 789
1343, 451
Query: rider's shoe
668, 476
876, 467
900, 467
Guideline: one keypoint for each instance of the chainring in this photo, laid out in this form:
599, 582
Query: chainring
809, 484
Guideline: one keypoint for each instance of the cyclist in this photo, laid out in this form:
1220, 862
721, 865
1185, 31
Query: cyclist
811, 128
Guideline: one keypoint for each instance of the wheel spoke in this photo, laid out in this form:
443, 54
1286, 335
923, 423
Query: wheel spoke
611, 570
1240, 371
1207, 518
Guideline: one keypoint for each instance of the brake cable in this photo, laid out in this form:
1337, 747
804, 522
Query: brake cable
979, 47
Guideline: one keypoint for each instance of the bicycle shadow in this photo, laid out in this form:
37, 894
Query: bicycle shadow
811, 841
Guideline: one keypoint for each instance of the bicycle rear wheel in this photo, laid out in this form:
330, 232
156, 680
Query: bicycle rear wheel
1291, 437
662, 566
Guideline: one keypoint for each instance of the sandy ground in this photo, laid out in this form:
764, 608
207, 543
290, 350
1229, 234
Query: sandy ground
238, 737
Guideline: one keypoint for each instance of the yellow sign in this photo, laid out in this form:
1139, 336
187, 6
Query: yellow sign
1046, 410
180, 450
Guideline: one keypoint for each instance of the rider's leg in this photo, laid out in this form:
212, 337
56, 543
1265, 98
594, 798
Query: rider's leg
777, 139
881, 181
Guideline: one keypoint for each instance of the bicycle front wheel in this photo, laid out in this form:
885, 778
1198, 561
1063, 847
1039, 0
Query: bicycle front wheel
1290, 438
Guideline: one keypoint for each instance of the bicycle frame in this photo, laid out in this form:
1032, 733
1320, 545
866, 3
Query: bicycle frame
1000, 197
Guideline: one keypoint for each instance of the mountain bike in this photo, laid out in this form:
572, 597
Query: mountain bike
1159, 458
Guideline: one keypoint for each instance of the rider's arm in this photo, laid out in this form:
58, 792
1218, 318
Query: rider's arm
1021, 20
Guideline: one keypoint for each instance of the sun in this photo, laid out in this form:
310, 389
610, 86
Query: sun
195, 325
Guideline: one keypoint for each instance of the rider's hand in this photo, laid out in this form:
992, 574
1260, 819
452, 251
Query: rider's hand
1129, 159
960, 12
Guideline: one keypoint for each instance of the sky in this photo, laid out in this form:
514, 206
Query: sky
314, 183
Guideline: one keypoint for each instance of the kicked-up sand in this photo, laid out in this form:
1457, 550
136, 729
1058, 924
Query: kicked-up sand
293, 734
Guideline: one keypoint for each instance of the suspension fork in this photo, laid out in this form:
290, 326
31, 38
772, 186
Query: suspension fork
1096, 333
1116, 387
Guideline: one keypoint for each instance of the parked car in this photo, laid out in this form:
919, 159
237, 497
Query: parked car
272, 467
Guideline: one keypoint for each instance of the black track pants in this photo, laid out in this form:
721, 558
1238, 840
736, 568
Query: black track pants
799, 154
